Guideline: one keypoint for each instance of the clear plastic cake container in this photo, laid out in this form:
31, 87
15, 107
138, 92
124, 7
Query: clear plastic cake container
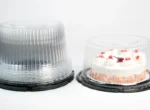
116, 63
33, 53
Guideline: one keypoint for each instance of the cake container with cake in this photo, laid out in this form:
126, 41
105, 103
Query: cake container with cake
116, 63
33, 56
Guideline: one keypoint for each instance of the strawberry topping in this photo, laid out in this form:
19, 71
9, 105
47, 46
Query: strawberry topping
110, 57
101, 56
136, 51
124, 50
137, 57
127, 59
102, 52
120, 60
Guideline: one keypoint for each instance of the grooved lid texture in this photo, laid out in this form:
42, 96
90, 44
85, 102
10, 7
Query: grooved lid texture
33, 52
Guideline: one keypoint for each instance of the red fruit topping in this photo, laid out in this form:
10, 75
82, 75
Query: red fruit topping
124, 50
110, 57
127, 59
102, 52
120, 60
137, 57
136, 51
101, 56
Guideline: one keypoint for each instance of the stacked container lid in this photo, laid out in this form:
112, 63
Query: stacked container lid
33, 53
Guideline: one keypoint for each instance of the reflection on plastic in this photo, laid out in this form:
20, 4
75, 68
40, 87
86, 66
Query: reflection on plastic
33, 52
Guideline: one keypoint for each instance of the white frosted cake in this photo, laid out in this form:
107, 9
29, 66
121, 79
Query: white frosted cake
123, 67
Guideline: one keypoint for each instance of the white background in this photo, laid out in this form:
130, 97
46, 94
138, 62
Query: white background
83, 19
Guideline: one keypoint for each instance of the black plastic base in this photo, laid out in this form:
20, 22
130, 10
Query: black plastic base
36, 87
113, 88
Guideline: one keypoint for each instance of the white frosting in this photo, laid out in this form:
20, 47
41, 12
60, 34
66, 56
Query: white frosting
122, 71
100, 61
142, 57
112, 52
127, 63
125, 54
110, 62
125, 68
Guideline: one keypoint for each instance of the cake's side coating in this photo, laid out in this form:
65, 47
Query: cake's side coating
114, 79
119, 67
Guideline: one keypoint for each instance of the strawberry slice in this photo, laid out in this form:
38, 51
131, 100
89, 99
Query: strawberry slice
136, 51
110, 57
127, 59
101, 56
124, 50
137, 57
102, 52
120, 60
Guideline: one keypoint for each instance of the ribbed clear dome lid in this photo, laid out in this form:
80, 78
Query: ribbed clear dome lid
116, 60
119, 41
33, 52
30, 24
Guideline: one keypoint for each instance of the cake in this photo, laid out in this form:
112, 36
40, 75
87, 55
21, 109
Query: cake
119, 66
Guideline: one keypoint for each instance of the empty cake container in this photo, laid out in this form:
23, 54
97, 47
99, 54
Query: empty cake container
33, 56
116, 63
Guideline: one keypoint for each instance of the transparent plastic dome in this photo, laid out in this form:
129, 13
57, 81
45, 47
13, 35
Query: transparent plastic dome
116, 60
33, 52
